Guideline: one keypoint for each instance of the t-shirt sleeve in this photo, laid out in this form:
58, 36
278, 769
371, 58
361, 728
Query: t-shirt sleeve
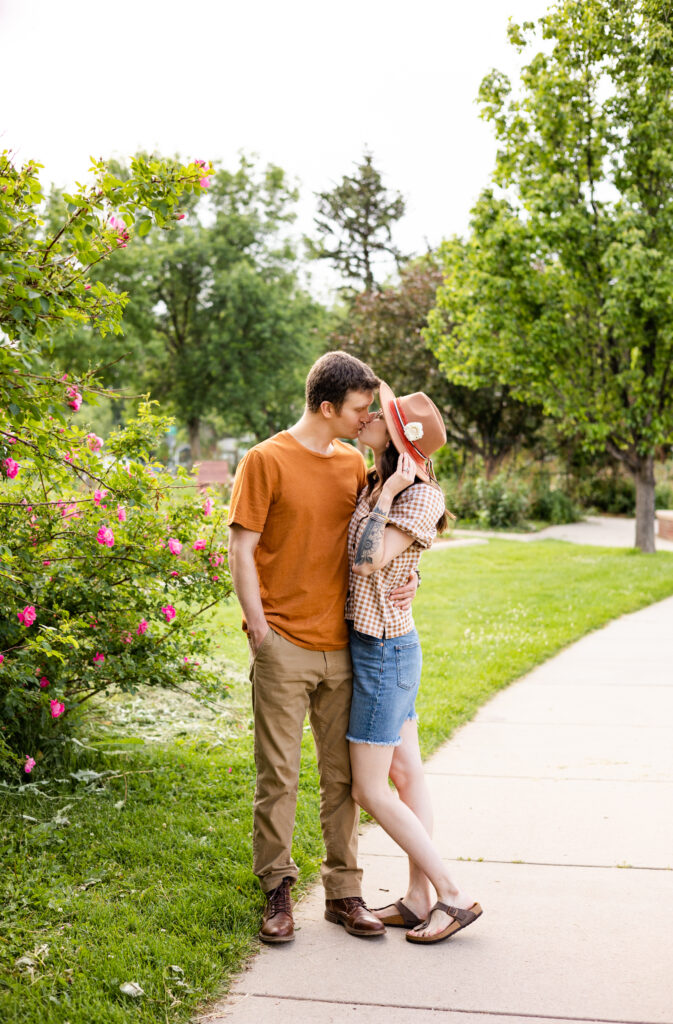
252, 493
416, 512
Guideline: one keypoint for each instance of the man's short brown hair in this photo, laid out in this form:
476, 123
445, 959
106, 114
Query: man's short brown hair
333, 376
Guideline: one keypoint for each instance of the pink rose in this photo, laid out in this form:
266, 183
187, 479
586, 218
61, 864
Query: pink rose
208, 506
121, 513
86, 287
180, 216
57, 708
105, 536
75, 398
98, 496
98, 658
27, 616
169, 612
44, 683
142, 627
29, 765
215, 578
174, 546
175, 572
127, 638
11, 468
199, 545
204, 182
216, 559
94, 442
2, 658
46, 562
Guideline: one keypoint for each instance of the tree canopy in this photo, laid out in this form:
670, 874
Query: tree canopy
563, 288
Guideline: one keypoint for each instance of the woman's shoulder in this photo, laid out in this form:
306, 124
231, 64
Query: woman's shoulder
421, 496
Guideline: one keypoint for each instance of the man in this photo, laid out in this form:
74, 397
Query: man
292, 501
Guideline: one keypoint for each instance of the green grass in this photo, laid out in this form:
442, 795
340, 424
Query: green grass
143, 874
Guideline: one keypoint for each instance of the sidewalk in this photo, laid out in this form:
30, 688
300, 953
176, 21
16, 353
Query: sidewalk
556, 799
605, 531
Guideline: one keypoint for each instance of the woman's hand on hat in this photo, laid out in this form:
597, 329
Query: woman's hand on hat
404, 475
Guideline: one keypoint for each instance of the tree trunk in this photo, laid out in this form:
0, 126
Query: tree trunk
645, 504
193, 428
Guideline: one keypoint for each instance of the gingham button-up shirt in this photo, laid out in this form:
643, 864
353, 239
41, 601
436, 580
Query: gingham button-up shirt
416, 512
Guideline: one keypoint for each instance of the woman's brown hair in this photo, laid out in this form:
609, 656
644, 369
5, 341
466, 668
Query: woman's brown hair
388, 467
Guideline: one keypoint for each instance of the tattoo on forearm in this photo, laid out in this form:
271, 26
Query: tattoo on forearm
371, 538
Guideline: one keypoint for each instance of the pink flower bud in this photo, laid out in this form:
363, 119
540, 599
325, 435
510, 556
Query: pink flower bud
208, 506
44, 683
98, 658
29, 765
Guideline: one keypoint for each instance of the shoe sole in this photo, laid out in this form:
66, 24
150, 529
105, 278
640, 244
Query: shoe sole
271, 940
447, 933
335, 919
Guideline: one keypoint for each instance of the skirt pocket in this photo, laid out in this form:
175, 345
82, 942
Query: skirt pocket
408, 660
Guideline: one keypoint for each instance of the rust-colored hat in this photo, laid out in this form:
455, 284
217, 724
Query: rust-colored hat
415, 426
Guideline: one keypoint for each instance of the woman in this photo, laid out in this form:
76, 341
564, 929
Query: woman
398, 515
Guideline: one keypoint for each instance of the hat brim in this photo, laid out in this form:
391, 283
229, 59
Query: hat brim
404, 447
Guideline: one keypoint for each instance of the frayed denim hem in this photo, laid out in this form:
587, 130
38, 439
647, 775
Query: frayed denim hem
413, 717
375, 743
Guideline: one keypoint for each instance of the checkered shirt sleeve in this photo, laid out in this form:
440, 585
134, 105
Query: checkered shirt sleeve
416, 512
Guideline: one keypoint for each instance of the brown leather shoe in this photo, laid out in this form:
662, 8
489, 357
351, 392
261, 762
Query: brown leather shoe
352, 913
277, 922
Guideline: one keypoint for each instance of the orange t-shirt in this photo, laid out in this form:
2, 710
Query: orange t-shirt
301, 502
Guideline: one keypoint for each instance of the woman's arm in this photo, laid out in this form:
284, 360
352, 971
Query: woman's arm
381, 541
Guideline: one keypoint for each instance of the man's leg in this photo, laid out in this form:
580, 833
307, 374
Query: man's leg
339, 815
279, 700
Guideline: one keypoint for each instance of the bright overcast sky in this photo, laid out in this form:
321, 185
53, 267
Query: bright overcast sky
302, 83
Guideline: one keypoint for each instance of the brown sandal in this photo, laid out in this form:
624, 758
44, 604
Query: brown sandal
461, 919
404, 918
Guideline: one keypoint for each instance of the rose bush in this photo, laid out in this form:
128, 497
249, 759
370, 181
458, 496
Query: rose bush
106, 561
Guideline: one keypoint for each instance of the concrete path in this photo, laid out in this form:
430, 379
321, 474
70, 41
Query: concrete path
606, 531
554, 807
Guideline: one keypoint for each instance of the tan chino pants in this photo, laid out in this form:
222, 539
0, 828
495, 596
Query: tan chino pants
287, 681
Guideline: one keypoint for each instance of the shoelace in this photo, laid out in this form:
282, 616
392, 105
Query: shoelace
279, 901
352, 902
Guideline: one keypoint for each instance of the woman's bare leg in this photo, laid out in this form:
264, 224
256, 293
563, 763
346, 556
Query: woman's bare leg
406, 772
371, 766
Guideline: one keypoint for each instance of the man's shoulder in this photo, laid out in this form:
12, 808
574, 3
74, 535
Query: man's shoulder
270, 448
350, 452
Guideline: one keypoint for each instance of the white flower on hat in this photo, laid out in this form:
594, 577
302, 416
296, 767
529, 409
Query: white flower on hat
413, 431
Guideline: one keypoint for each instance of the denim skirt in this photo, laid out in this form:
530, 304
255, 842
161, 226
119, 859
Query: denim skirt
386, 677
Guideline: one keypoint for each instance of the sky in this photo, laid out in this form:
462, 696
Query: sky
305, 84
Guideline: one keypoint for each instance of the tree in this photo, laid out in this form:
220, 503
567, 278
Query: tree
354, 222
563, 288
91, 532
385, 328
216, 323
